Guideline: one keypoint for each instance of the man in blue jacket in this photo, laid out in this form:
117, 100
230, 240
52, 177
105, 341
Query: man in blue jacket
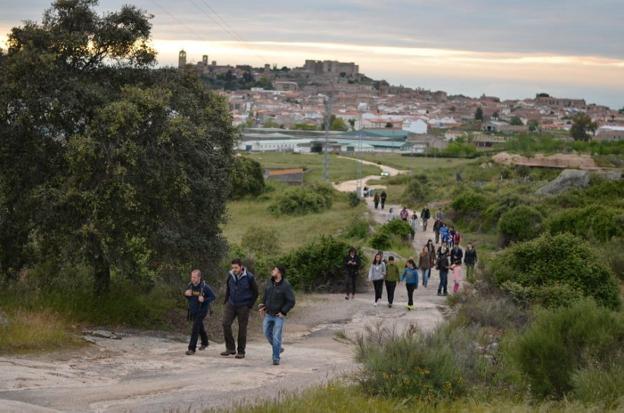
278, 300
199, 296
240, 296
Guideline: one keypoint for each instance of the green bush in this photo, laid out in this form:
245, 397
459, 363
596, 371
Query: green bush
381, 241
247, 177
261, 241
520, 223
602, 386
496, 209
303, 200
559, 343
415, 192
318, 265
596, 222
357, 229
354, 199
551, 269
467, 208
409, 366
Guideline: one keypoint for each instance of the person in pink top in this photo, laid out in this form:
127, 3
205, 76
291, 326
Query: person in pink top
457, 277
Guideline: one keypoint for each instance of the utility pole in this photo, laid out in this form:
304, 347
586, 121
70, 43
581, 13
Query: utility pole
328, 113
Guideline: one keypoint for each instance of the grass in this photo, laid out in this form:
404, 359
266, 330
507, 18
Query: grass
411, 163
340, 397
29, 331
294, 231
340, 169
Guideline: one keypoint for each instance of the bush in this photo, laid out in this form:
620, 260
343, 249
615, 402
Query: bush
553, 270
357, 229
468, 207
520, 223
409, 366
596, 222
354, 199
504, 203
600, 385
559, 343
303, 200
381, 241
414, 192
261, 241
36, 330
318, 265
247, 178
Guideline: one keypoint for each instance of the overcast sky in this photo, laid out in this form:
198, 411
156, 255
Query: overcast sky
508, 48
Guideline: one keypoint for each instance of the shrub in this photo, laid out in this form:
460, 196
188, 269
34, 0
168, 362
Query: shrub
409, 366
599, 385
520, 223
303, 200
551, 268
318, 265
502, 204
414, 192
467, 208
357, 229
397, 227
596, 222
31, 331
261, 241
381, 241
354, 199
561, 342
247, 178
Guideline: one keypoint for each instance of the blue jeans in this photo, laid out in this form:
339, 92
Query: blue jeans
442, 287
272, 327
426, 274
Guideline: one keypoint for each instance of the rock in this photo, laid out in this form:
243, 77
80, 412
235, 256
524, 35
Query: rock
89, 340
4, 320
569, 178
103, 334
613, 175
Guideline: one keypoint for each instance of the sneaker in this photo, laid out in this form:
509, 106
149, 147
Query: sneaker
203, 347
346, 297
375, 303
240, 356
228, 353
389, 305
190, 352
276, 362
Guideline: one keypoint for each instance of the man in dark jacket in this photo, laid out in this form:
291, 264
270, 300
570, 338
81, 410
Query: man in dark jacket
240, 296
456, 255
199, 296
383, 198
352, 270
425, 215
442, 264
470, 259
278, 300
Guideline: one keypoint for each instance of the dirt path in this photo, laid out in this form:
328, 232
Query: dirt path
143, 373
351, 186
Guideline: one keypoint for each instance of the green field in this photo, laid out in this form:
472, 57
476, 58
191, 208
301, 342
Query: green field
340, 169
412, 163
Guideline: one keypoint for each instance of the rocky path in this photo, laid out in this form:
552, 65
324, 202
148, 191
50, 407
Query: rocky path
145, 373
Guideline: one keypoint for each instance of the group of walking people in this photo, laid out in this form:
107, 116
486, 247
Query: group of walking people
445, 255
241, 294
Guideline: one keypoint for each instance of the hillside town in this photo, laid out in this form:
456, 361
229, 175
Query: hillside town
284, 109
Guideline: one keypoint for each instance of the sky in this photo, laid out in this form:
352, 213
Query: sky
505, 48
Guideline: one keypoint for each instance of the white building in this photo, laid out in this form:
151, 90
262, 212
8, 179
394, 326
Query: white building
417, 126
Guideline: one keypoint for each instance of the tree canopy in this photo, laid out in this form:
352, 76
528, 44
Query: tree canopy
105, 161
582, 125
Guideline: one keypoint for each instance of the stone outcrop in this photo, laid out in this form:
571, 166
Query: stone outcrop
569, 178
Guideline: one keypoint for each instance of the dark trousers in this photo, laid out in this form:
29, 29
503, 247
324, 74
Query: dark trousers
425, 222
383, 203
378, 284
350, 281
410, 293
198, 331
390, 286
443, 286
229, 314
376, 204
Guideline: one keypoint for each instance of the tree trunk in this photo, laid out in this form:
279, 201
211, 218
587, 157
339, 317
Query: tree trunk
101, 266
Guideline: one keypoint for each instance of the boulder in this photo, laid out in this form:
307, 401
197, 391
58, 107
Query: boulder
102, 334
569, 178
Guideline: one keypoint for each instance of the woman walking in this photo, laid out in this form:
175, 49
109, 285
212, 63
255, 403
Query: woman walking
410, 276
442, 265
392, 277
376, 275
352, 269
424, 264
457, 277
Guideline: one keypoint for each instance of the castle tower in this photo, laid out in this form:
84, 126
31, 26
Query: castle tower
181, 59
205, 60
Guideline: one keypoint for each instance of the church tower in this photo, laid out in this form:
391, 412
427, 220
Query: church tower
182, 59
